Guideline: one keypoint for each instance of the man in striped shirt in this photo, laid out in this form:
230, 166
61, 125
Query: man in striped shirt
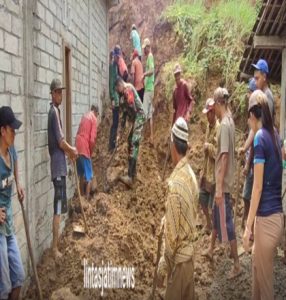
179, 220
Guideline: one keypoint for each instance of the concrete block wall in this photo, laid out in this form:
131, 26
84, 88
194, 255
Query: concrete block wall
46, 26
12, 94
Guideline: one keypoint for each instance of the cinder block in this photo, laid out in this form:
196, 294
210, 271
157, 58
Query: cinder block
17, 65
12, 84
5, 20
45, 60
5, 99
5, 60
17, 26
50, 76
54, 36
45, 29
57, 51
49, 19
40, 41
53, 64
49, 46
41, 11
53, 7
11, 43
13, 6
37, 56
59, 67
17, 104
41, 74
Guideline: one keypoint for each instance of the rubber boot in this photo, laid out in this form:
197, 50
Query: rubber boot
128, 179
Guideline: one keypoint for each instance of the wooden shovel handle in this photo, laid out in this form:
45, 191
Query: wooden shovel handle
39, 290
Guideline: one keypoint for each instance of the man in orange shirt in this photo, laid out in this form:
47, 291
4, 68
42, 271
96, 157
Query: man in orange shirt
85, 142
137, 74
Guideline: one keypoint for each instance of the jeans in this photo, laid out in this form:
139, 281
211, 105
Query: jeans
113, 129
11, 268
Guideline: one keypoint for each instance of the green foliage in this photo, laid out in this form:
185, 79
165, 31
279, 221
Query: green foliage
213, 39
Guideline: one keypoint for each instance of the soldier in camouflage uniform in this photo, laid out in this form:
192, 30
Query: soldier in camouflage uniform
132, 108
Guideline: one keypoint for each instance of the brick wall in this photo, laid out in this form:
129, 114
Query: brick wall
32, 35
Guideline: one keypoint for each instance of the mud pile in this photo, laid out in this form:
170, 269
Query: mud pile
124, 224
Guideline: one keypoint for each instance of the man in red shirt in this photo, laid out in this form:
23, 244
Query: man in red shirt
137, 74
85, 142
182, 99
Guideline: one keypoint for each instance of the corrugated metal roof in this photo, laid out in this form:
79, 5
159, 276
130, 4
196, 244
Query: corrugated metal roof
271, 21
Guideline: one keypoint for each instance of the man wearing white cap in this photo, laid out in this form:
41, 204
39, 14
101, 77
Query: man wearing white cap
149, 79
207, 182
223, 225
179, 220
182, 99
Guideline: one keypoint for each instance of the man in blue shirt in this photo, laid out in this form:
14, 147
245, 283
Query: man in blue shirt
135, 38
58, 147
11, 269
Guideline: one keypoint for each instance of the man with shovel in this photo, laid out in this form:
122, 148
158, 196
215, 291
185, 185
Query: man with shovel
133, 109
58, 148
85, 143
11, 269
179, 225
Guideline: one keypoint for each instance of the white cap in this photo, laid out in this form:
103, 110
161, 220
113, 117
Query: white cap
180, 129
146, 43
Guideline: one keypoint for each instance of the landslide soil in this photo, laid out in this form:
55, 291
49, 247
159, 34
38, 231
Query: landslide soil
124, 224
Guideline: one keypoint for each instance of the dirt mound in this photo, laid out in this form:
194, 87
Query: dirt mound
124, 224
63, 294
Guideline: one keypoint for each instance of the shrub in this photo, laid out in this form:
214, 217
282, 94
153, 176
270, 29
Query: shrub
213, 39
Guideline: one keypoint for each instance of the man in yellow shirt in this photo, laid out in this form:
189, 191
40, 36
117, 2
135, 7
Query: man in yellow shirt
179, 220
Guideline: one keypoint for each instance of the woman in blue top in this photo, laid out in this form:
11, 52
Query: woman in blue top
266, 203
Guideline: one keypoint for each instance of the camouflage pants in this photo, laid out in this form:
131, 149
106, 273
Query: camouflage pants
135, 137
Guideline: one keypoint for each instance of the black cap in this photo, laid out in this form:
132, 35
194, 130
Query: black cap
7, 118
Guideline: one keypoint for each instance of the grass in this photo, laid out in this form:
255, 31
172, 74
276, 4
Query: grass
213, 40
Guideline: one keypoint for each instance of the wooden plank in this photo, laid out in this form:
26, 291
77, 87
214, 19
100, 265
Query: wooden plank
279, 20
283, 18
269, 17
269, 42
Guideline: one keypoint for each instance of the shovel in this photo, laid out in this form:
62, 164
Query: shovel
155, 279
78, 228
106, 187
39, 290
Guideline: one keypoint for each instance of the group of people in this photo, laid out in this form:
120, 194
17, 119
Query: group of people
131, 94
263, 220
11, 268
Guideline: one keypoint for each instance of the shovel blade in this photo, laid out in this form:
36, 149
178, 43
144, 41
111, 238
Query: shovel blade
78, 229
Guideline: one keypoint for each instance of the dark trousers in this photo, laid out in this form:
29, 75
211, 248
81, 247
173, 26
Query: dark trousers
141, 94
113, 129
